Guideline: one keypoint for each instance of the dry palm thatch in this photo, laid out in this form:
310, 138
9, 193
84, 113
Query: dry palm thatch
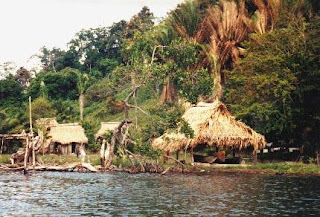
266, 15
106, 127
67, 134
170, 142
213, 125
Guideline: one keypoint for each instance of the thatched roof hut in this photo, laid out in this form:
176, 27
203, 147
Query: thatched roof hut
213, 125
105, 127
68, 133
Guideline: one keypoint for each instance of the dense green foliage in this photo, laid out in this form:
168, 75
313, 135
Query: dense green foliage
276, 88
266, 61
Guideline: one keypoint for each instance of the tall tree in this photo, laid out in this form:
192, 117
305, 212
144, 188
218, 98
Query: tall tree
275, 87
82, 85
139, 23
223, 29
23, 77
51, 59
11, 92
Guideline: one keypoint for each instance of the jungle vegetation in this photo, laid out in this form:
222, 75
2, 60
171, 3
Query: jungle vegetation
260, 57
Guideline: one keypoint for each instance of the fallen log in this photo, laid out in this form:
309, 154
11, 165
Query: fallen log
10, 167
75, 167
167, 170
177, 161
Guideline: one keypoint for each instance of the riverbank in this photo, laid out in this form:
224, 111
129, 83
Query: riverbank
296, 168
279, 168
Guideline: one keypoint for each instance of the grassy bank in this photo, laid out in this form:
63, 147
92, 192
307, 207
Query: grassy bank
5, 158
54, 159
276, 167
288, 167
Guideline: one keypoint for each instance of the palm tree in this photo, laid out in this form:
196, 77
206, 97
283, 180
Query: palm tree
185, 19
220, 27
81, 85
223, 29
164, 37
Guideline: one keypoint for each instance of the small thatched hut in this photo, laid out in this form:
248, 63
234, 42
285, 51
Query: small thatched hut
7, 141
66, 138
213, 125
106, 127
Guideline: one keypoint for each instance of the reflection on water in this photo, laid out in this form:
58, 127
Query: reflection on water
116, 194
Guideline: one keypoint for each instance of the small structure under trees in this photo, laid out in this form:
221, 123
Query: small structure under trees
66, 138
213, 126
7, 140
105, 128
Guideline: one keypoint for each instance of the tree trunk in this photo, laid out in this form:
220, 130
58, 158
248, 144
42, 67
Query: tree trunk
110, 148
168, 93
133, 82
81, 99
102, 151
217, 85
255, 157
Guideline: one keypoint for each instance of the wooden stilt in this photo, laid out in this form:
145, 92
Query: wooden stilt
26, 152
192, 158
255, 156
33, 155
31, 134
1, 146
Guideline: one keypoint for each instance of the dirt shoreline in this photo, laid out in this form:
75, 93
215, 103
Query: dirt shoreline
78, 167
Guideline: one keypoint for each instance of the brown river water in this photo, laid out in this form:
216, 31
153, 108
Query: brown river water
122, 194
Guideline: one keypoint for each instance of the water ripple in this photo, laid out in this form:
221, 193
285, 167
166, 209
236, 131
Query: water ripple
121, 194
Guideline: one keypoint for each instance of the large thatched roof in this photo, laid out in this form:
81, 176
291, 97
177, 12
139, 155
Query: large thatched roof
213, 125
67, 133
105, 127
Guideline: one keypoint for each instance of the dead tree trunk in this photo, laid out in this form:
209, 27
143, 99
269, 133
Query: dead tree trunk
24, 155
110, 148
81, 99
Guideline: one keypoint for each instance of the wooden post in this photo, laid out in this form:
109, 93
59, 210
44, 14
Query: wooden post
1, 146
102, 153
26, 152
255, 156
177, 155
192, 158
31, 132
30, 116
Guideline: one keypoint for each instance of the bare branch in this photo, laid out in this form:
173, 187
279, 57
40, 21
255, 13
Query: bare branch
133, 106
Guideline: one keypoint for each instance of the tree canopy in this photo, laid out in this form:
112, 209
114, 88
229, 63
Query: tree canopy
261, 57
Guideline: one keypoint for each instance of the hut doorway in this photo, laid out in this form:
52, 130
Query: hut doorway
56, 148
73, 147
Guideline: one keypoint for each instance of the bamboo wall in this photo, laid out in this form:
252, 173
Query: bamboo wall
63, 149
